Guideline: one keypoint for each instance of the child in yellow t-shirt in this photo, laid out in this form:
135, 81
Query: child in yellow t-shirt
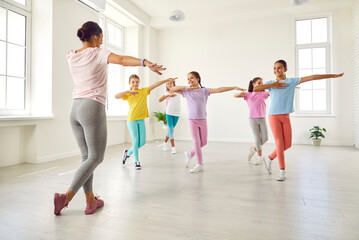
137, 100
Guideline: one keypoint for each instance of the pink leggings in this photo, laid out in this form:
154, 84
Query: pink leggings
199, 134
282, 133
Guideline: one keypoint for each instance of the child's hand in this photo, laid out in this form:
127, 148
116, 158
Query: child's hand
338, 75
171, 95
279, 85
133, 92
172, 79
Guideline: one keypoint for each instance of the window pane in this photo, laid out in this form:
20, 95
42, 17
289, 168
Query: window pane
2, 92
23, 2
319, 30
319, 57
15, 93
305, 58
319, 100
2, 58
305, 100
119, 37
305, 72
320, 84
306, 85
16, 28
303, 31
111, 33
2, 23
16, 61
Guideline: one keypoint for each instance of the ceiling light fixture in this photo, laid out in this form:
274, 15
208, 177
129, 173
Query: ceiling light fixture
177, 15
298, 2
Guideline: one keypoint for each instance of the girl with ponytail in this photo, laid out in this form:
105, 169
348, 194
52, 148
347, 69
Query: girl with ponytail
196, 97
257, 121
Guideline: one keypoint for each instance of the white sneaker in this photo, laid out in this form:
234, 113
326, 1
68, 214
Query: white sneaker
196, 169
281, 175
259, 160
251, 153
187, 158
163, 146
267, 164
173, 150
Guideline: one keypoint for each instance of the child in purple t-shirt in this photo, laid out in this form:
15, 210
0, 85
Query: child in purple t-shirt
196, 97
257, 113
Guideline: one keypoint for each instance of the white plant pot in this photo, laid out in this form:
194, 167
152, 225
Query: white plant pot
164, 126
316, 142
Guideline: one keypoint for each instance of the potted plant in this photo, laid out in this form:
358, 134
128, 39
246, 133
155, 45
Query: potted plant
161, 117
316, 134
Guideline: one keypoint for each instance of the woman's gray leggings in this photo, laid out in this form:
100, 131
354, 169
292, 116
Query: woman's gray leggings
89, 125
260, 132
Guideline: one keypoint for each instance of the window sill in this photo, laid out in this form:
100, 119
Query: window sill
22, 120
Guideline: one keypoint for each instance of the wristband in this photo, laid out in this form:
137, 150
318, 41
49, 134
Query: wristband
143, 62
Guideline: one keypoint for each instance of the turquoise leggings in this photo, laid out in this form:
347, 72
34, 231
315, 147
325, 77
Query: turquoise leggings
171, 123
138, 133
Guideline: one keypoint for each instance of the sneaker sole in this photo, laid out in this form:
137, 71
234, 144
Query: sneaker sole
93, 211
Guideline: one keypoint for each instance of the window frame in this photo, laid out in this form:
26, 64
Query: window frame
326, 45
115, 49
25, 11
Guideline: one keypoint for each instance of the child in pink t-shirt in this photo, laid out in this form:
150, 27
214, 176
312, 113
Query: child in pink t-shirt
257, 114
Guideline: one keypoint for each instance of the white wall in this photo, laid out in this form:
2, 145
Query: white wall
232, 52
356, 72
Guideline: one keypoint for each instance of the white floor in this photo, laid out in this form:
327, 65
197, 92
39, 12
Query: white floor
232, 199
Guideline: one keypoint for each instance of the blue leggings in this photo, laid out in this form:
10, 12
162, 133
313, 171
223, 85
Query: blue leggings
171, 123
138, 133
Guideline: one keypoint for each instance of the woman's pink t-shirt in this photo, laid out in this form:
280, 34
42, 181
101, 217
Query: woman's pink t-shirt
256, 104
89, 72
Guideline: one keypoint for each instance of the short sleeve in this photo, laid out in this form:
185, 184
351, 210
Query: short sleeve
125, 97
184, 92
146, 91
206, 91
246, 96
296, 81
103, 55
265, 94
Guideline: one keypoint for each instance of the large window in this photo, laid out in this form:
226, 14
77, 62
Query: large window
312, 57
113, 41
14, 57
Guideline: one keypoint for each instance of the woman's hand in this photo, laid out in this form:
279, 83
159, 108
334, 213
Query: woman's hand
154, 67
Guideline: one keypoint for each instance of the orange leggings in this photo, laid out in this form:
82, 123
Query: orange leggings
282, 133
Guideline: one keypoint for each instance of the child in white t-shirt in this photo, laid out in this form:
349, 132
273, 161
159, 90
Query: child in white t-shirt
173, 110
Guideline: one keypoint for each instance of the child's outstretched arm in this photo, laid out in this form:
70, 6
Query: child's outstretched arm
240, 95
224, 89
262, 87
120, 95
159, 83
318, 77
178, 89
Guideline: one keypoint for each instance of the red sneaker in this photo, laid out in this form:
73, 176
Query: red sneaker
92, 206
59, 202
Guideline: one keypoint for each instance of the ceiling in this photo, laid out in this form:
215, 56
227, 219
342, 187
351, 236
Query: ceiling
208, 10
